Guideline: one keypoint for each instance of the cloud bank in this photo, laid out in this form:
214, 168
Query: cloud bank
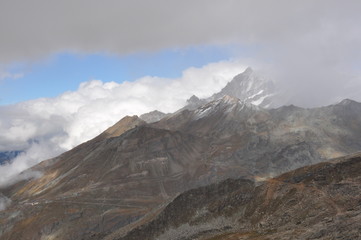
131, 26
312, 45
47, 127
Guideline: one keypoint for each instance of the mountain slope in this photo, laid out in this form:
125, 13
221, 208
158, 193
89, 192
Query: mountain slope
316, 202
102, 184
134, 168
270, 141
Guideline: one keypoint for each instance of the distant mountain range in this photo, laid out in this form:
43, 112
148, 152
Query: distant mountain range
127, 183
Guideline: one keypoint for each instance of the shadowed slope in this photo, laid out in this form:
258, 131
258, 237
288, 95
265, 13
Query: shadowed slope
320, 201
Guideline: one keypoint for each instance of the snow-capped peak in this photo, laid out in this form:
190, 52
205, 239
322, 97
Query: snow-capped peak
249, 87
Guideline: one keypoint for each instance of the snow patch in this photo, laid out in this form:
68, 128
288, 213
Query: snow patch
203, 112
255, 95
260, 100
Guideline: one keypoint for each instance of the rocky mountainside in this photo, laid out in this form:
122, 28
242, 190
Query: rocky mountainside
133, 169
101, 185
322, 201
269, 141
249, 87
124, 177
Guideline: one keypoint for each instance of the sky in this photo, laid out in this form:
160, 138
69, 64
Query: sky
70, 69
63, 72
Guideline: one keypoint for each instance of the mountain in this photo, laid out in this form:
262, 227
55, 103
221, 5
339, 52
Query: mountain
249, 87
102, 184
123, 125
126, 176
152, 116
132, 170
315, 202
269, 141
193, 103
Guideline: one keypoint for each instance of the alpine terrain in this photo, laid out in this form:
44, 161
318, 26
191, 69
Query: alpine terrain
226, 167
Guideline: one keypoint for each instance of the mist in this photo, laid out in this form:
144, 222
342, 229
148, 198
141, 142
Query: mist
4, 202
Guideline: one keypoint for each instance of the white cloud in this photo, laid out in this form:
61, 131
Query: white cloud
48, 126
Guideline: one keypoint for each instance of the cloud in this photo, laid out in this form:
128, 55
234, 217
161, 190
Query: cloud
313, 46
4, 202
8, 75
128, 26
46, 127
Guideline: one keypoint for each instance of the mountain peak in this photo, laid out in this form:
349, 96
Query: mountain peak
249, 87
123, 125
347, 101
248, 71
193, 99
152, 116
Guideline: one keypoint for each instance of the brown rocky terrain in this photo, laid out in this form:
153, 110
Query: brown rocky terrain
134, 169
101, 185
321, 201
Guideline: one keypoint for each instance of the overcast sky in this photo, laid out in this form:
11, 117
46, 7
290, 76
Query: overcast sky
307, 42
75, 57
37, 28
